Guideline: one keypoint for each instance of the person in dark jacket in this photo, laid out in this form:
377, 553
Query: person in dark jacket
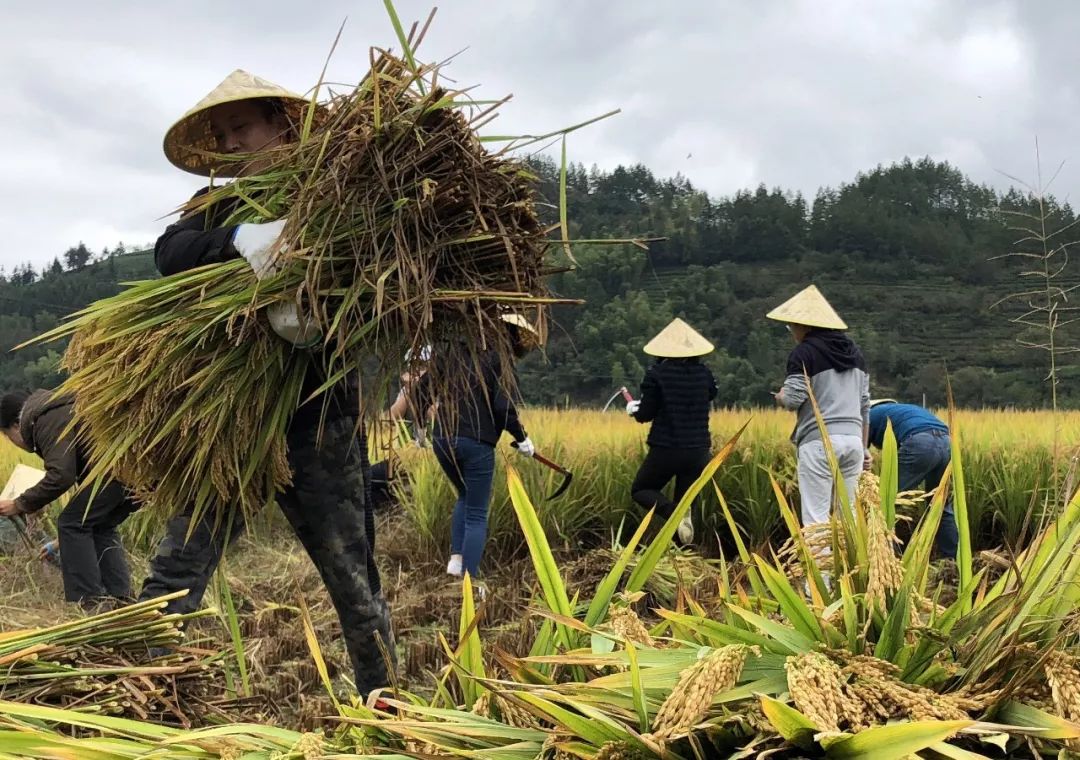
924, 450
94, 567
676, 397
328, 503
468, 426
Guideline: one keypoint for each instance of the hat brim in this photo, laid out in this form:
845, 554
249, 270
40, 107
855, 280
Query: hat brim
824, 324
190, 145
676, 352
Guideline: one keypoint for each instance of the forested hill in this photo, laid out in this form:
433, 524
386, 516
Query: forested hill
905, 253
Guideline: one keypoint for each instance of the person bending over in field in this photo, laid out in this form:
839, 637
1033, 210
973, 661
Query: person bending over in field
468, 426
94, 568
676, 397
924, 450
840, 383
328, 504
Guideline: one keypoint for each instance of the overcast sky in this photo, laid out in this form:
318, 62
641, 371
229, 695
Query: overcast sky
790, 93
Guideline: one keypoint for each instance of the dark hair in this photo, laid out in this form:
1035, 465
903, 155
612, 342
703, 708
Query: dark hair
11, 406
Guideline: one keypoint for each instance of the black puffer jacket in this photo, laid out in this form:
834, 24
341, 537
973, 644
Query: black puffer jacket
676, 396
204, 238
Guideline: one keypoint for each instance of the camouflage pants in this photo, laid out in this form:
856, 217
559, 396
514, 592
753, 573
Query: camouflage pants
328, 509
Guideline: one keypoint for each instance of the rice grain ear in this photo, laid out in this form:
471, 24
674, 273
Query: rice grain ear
885, 573
690, 700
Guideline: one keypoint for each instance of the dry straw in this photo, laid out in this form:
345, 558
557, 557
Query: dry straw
402, 230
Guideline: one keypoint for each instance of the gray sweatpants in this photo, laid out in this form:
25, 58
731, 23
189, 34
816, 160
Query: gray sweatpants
816, 476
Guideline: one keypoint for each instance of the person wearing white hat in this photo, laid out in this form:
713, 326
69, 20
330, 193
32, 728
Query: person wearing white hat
476, 410
235, 131
827, 363
676, 397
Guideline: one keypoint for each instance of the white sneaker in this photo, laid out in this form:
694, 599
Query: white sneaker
685, 531
453, 567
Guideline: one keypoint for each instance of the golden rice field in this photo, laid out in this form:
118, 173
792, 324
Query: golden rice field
1008, 458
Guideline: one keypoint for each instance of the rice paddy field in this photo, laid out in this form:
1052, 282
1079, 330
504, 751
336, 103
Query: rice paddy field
596, 638
1009, 455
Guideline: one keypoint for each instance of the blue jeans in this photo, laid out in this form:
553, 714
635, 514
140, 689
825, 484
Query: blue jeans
470, 465
922, 458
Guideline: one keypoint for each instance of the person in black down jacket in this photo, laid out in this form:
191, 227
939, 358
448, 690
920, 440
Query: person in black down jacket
676, 396
468, 426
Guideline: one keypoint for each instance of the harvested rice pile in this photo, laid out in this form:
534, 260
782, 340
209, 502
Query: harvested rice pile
105, 664
402, 230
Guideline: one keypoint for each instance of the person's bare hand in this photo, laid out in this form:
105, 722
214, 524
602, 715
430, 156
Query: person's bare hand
8, 508
779, 396
867, 461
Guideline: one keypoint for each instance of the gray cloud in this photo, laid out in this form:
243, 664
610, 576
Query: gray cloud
790, 93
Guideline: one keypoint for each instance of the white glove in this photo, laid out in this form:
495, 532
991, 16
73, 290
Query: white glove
290, 324
257, 243
526, 447
632, 407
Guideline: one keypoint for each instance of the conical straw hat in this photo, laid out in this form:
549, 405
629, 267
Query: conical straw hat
808, 307
531, 335
519, 321
678, 341
188, 137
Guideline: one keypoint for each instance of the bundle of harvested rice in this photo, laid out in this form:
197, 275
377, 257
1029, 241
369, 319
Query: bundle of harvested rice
402, 230
38, 732
102, 664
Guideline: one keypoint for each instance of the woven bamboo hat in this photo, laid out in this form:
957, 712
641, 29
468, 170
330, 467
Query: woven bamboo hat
532, 335
189, 143
808, 307
678, 341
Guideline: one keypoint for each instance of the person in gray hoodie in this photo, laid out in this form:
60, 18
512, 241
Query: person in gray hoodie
828, 364
94, 564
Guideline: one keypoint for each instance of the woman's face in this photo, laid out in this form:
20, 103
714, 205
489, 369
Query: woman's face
247, 127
